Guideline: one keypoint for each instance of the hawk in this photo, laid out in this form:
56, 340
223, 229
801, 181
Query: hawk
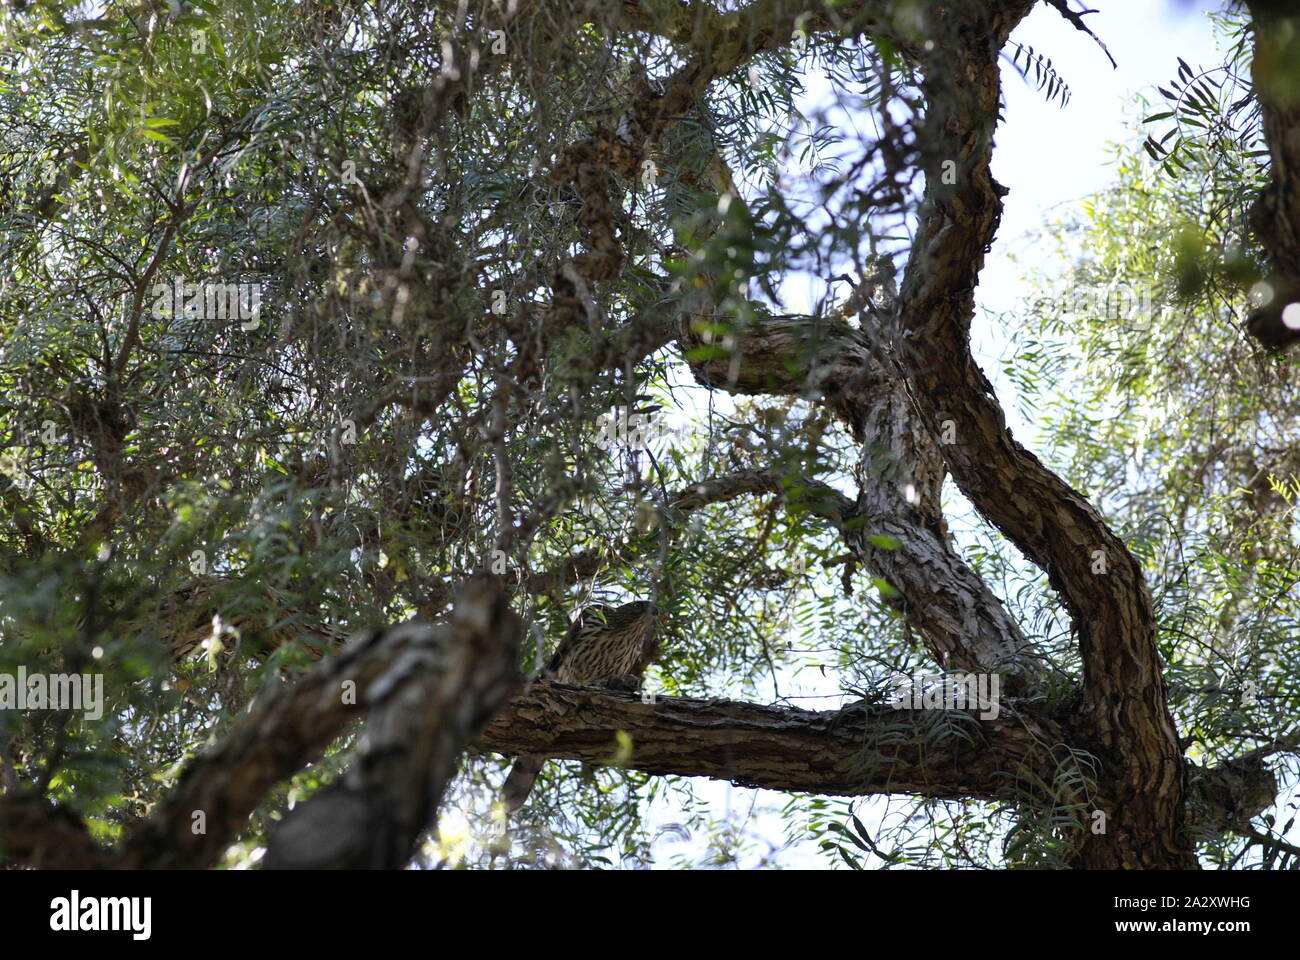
605, 646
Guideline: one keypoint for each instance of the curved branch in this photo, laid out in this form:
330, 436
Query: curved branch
1124, 707
813, 495
900, 479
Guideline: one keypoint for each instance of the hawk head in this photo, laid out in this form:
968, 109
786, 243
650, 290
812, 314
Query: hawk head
601, 617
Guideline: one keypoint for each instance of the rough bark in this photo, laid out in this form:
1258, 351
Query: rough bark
856, 751
860, 750
900, 381
427, 689
1123, 717
900, 481
421, 713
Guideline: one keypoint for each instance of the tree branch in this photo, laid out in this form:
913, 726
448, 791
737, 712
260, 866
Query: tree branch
1125, 707
421, 713
291, 727
852, 752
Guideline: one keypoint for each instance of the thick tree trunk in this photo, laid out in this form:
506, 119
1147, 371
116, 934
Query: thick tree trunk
1123, 716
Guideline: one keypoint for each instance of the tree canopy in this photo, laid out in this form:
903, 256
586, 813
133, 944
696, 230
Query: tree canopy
348, 350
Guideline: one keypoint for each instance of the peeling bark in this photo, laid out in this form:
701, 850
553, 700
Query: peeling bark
901, 380
900, 481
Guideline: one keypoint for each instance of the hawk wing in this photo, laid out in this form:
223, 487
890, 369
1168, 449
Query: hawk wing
591, 618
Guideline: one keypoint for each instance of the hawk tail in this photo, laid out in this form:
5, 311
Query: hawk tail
520, 782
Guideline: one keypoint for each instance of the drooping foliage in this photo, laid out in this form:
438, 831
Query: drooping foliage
421, 349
